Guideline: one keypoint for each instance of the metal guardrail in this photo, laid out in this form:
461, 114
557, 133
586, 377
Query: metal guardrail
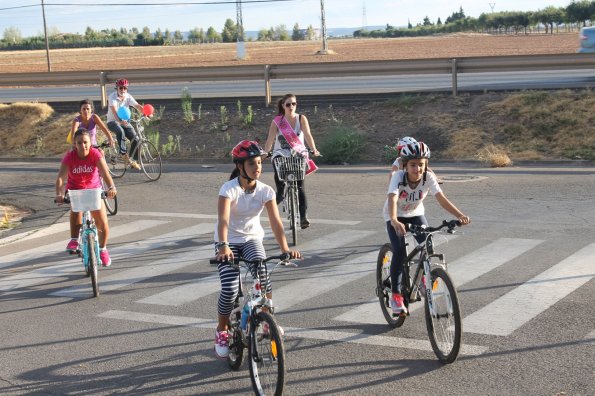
452, 66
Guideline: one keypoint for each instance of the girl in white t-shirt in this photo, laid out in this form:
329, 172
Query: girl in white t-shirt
239, 232
404, 205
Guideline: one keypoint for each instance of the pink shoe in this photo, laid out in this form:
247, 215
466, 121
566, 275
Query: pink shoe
222, 344
106, 261
72, 246
397, 305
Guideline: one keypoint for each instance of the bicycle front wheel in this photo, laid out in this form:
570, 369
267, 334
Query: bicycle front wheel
293, 213
236, 346
383, 286
266, 356
91, 246
443, 317
115, 163
111, 204
150, 160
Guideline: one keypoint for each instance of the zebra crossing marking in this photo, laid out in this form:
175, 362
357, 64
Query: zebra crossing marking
72, 264
202, 287
509, 312
326, 335
37, 233
56, 247
210, 216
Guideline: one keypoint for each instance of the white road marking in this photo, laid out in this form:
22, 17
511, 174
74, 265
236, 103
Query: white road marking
138, 274
202, 287
517, 307
210, 216
73, 264
38, 233
327, 335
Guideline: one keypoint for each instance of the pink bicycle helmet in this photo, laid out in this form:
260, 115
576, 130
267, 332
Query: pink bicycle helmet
122, 82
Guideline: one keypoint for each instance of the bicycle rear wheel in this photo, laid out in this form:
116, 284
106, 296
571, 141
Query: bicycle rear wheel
150, 160
266, 356
443, 317
383, 286
91, 251
115, 163
293, 213
111, 204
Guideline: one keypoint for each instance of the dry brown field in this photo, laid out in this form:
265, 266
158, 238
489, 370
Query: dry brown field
447, 46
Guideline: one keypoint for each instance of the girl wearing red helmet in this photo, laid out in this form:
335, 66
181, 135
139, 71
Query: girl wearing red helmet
239, 232
117, 99
404, 205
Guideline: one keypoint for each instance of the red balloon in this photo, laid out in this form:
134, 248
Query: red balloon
148, 110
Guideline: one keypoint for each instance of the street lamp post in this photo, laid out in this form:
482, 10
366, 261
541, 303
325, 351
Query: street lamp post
324, 50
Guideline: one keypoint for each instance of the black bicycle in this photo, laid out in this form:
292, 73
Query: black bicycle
425, 274
253, 326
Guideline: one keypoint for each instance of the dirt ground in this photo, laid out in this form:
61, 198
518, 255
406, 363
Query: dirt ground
445, 46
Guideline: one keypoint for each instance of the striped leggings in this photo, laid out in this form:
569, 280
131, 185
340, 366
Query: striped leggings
229, 277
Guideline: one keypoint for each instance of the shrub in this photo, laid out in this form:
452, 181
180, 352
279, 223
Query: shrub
342, 145
494, 156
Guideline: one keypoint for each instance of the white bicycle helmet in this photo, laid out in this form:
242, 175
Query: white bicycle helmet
415, 150
405, 141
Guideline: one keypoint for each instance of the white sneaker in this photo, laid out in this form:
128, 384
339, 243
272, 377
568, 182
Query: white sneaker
222, 343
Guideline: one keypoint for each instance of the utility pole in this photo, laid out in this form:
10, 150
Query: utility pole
492, 5
324, 50
240, 50
47, 43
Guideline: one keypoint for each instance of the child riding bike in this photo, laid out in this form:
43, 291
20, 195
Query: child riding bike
80, 169
404, 205
239, 232
117, 99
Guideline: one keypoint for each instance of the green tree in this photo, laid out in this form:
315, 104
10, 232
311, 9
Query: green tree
230, 31
12, 35
297, 34
310, 33
212, 35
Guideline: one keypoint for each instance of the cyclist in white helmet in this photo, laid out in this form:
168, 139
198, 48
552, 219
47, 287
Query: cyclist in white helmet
404, 205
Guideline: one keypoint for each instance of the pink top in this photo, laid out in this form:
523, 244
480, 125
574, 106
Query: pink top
82, 173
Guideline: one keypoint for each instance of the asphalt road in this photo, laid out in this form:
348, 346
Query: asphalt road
549, 79
524, 271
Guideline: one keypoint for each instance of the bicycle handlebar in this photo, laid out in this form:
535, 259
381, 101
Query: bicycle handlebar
283, 258
67, 198
427, 229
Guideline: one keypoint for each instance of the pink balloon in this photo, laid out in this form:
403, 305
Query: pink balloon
148, 110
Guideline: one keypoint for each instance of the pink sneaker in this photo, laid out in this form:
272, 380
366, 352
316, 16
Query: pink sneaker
222, 343
106, 261
73, 245
397, 305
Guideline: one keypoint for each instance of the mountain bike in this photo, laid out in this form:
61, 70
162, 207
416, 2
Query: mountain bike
425, 274
253, 326
149, 157
291, 170
85, 201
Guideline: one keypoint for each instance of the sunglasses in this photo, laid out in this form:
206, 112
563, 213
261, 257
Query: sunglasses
123, 88
290, 104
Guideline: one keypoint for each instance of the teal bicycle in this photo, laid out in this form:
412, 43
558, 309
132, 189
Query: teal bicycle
85, 201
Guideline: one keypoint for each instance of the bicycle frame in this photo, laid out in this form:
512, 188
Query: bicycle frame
423, 251
88, 227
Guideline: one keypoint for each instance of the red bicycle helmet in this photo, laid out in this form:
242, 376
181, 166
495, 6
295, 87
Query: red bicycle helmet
122, 82
246, 149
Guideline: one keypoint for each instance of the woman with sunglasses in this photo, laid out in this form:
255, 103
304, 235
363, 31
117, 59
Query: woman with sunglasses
290, 131
121, 98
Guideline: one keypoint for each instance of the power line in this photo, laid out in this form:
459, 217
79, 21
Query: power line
145, 4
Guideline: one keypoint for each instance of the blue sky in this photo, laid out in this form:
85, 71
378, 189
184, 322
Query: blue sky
339, 13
